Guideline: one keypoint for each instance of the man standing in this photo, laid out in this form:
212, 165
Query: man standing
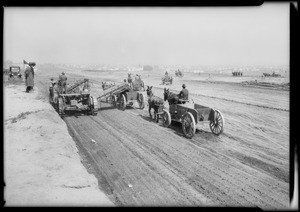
129, 80
29, 76
63, 82
184, 94
51, 89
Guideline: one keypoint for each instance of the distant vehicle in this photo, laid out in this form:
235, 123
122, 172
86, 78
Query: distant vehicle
167, 79
14, 71
271, 75
237, 73
178, 73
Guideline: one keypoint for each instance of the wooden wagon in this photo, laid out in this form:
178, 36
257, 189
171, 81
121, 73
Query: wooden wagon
190, 116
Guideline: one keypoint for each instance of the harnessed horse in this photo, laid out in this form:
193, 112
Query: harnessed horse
170, 96
154, 102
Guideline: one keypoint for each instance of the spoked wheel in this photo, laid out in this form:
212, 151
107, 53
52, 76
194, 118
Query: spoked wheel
114, 100
60, 106
188, 125
122, 102
141, 101
96, 108
166, 118
217, 126
93, 106
154, 115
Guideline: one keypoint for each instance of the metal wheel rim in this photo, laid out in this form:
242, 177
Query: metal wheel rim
60, 105
188, 125
141, 101
166, 119
95, 103
122, 104
92, 102
153, 114
217, 126
114, 101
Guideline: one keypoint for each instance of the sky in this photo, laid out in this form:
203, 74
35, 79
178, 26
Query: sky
148, 35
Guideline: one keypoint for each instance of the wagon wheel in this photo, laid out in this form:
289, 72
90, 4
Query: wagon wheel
141, 101
122, 102
93, 106
166, 118
188, 125
96, 108
60, 106
54, 99
217, 125
91, 103
156, 116
114, 100
153, 114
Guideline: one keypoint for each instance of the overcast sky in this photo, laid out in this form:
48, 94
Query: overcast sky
149, 35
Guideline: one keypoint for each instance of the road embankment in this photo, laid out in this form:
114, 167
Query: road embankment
41, 162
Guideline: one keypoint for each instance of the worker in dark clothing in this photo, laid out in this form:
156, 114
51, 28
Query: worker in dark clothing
29, 76
51, 89
183, 95
63, 82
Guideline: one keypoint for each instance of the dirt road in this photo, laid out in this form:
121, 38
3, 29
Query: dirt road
139, 162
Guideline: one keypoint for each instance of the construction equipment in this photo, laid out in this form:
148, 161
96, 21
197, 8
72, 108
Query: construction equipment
123, 95
81, 101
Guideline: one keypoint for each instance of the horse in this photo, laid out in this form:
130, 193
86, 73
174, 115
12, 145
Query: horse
154, 102
171, 97
106, 85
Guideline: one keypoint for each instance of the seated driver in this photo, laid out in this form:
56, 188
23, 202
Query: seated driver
183, 95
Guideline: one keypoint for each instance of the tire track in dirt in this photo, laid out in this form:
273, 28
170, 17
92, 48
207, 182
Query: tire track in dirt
121, 166
177, 162
164, 168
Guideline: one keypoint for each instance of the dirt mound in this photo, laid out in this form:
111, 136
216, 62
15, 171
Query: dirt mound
41, 163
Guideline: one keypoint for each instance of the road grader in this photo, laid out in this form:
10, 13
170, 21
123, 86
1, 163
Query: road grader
74, 99
125, 94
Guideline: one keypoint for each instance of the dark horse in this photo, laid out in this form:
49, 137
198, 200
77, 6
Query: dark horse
154, 102
171, 97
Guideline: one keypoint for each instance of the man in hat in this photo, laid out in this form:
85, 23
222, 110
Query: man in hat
183, 95
63, 82
29, 76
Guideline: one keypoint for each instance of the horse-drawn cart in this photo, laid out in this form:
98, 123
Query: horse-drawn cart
190, 114
167, 79
125, 95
